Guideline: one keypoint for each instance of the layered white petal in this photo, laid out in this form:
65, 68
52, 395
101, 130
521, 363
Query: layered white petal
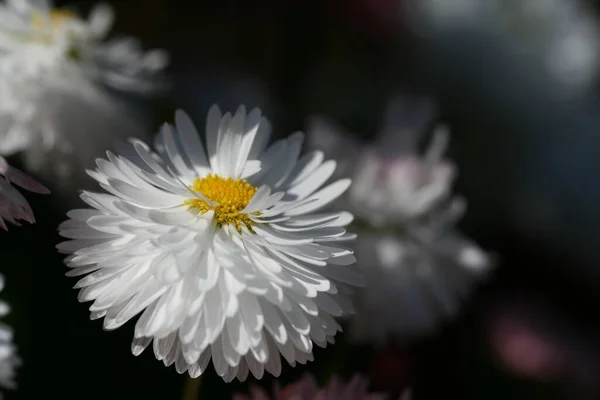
240, 296
55, 67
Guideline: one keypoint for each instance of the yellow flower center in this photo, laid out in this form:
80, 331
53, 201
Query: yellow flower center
55, 19
49, 25
231, 197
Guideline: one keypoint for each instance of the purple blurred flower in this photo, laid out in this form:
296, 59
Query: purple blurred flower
308, 389
13, 206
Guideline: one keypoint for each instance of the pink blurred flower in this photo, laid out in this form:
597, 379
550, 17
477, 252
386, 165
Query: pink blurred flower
524, 350
534, 341
307, 389
13, 206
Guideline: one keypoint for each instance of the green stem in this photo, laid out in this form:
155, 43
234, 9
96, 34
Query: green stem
191, 389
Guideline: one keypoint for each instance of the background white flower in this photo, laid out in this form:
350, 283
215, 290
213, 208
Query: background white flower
9, 360
62, 86
409, 251
13, 206
221, 245
562, 35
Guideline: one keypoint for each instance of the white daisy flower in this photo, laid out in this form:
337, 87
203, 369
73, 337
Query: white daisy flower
9, 360
13, 206
60, 82
408, 249
220, 245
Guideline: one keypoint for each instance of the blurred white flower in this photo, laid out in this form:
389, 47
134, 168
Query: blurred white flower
220, 245
13, 206
563, 35
59, 82
307, 388
567, 32
410, 253
390, 190
9, 360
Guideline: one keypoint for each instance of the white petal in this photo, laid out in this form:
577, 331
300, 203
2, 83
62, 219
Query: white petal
313, 181
191, 143
322, 197
252, 126
101, 19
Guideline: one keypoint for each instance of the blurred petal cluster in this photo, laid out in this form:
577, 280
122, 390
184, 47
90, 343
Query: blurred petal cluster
13, 206
9, 360
62, 84
307, 389
221, 245
408, 248
563, 35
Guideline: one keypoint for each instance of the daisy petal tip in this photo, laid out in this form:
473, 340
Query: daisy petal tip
215, 111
